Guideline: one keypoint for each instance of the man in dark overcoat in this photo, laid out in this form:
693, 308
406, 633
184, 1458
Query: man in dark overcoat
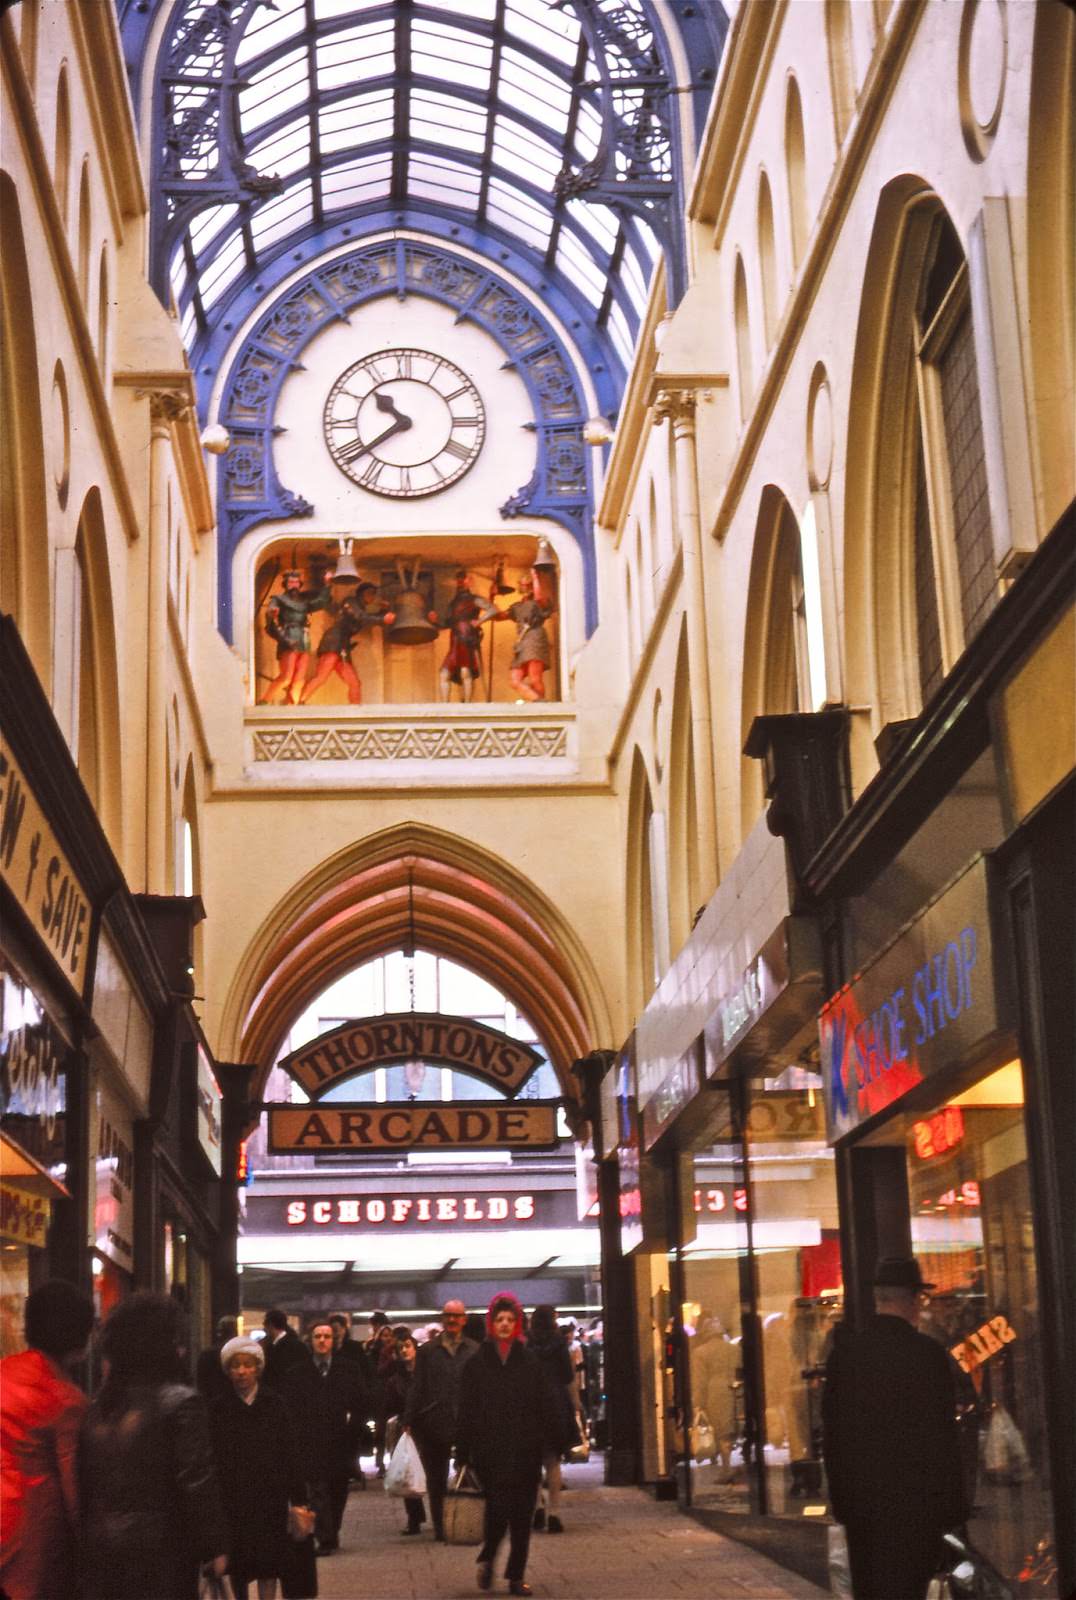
328, 1402
283, 1348
433, 1401
890, 1441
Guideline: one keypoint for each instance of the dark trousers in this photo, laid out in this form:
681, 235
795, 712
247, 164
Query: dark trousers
435, 1458
891, 1561
509, 1509
329, 1497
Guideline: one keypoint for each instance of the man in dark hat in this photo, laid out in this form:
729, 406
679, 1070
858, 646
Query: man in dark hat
890, 1441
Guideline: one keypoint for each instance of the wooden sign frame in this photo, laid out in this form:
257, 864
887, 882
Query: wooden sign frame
334, 1128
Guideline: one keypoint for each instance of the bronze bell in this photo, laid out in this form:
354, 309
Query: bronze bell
412, 625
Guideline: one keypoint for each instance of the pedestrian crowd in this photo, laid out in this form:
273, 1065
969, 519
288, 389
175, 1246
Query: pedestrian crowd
159, 1490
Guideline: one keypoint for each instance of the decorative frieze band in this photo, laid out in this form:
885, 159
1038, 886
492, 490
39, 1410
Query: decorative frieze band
412, 741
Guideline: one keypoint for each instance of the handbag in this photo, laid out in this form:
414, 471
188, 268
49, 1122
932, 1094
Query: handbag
465, 1509
703, 1438
301, 1520
1005, 1457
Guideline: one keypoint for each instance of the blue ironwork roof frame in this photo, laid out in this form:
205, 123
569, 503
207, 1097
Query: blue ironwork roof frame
624, 39
250, 492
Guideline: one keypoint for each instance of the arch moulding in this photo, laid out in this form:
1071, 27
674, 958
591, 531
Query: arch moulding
461, 902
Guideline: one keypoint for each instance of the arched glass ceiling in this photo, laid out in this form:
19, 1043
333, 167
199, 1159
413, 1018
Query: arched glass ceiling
547, 125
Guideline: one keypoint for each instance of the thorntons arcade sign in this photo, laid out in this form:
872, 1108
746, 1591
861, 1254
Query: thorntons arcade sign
358, 1046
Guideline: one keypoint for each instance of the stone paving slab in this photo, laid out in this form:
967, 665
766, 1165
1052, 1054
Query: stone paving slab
618, 1544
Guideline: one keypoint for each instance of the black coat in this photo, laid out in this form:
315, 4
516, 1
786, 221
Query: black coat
555, 1360
433, 1399
258, 1470
327, 1415
289, 1351
506, 1419
151, 1510
890, 1433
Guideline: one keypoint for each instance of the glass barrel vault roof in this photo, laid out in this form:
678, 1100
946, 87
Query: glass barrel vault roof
463, 110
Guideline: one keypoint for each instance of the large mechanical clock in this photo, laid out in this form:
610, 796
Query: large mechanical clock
404, 423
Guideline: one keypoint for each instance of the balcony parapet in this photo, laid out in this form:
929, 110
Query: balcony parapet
415, 744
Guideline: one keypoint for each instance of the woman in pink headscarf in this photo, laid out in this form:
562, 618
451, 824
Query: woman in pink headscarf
505, 1426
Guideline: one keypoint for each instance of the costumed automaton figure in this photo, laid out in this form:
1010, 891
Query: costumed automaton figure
287, 621
532, 652
355, 612
462, 664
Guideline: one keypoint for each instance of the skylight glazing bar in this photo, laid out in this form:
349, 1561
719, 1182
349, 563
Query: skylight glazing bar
491, 119
317, 198
402, 110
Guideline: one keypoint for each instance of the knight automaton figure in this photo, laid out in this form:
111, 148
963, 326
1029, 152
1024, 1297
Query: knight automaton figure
287, 621
462, 664
356, 611
532, 653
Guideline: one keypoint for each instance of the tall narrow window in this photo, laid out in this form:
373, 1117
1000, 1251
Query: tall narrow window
928, 626
952, 430
796, 160
102, 312
84, 234
743, 338
767, 258
61, 166
841, 75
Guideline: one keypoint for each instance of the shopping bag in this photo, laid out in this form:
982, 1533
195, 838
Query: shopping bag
405, 1474
703, 1440
1005, 1457
840, 1573
465, 1509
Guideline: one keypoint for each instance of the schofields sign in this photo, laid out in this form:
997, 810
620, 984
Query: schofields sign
472, 1125
360, 1045
927, 1002
390, 1212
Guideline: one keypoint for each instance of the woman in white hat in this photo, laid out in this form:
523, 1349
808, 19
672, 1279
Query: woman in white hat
257, 1468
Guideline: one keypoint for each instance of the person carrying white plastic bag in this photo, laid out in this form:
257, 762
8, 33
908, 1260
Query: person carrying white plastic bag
405, 1477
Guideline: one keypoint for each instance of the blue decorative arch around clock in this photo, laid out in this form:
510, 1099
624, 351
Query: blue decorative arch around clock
250, 492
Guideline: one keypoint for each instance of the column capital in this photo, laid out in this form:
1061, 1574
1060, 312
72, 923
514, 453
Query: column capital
676, 406
165, 405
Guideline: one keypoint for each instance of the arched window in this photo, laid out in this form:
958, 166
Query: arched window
925, 568
743, 338
767, 258
796, 164
84, 234
61, 161
841, 66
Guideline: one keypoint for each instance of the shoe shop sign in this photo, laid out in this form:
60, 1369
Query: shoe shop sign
391, 1041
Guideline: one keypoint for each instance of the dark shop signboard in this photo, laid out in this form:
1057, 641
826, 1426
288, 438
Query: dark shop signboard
471, 1125
445, 1210
927, 1002
365, 1043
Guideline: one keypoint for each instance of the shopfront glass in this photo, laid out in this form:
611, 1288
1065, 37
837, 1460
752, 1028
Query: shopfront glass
972, 1232
762, 1289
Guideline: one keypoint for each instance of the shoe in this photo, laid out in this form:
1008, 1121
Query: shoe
539, 1519
555, 1525
326, 1549
409, 1533
381, 1470
517, 1586
484, 1576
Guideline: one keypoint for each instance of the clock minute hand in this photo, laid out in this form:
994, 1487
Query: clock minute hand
400, 425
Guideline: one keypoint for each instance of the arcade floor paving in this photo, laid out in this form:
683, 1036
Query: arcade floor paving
618, 1544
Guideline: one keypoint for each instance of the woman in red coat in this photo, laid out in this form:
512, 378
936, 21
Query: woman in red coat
505, 1427
41, 1412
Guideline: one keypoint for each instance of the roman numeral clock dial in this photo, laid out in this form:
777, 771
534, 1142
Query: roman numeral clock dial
404, 423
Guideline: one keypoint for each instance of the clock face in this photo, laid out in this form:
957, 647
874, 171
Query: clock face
404, 423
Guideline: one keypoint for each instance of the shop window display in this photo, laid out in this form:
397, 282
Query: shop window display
972, 1232
762, 1286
